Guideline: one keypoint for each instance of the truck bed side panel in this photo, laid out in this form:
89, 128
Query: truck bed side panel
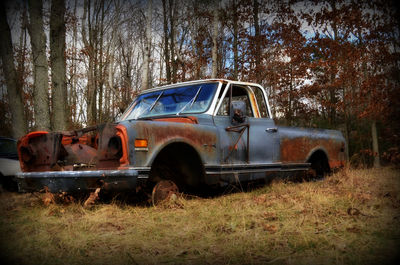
298, 144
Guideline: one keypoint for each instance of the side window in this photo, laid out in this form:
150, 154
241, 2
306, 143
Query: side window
224, 109
262, 106
238, 94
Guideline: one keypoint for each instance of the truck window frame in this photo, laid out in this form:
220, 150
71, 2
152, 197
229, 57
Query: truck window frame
251, 101
261, 100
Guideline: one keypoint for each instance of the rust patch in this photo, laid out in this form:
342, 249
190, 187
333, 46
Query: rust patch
336, 163
40, 151
71, 150
157, 135
84, 139
25, 152
188, 119
111, 153
123, 135
297, 150
80, 153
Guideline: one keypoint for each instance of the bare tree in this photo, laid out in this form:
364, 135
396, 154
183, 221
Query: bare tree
173, 5
214, 53
40, 67
92, 37
146, 59
58, 67
235, 40
73, 69
166, 42
13, 90
257, 40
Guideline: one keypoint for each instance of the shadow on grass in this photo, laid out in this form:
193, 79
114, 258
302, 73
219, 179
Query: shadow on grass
142, 197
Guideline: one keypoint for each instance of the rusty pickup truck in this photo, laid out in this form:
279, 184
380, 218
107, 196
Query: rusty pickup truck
180, 136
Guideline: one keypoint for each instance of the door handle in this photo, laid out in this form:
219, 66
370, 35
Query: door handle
271, 130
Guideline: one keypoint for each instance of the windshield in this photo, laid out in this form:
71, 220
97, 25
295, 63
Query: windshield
173, 101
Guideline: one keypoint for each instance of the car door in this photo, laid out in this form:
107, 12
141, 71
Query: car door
250, 146
233, 143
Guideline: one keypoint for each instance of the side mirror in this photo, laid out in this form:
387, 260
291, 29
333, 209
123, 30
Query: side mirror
238, 112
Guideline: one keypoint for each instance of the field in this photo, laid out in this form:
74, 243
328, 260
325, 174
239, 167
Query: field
351, 217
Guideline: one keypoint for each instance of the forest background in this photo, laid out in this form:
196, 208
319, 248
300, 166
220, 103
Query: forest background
66, 64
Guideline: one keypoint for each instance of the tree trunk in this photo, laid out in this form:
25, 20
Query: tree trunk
58, 67
172, 14
40, 67
72, 104
257, 42
375, 145
235, 42
166, 45
91, 72
214, 40
289, 116
13, 91
100, 66
146, 59
332, 90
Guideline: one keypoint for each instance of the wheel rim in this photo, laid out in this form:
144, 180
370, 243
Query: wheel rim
163, 191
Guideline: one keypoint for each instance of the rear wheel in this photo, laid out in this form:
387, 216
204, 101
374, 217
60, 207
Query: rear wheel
319, 165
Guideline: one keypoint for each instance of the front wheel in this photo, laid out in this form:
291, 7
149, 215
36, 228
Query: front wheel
163, 191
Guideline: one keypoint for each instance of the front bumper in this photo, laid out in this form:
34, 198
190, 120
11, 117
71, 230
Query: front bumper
76, 181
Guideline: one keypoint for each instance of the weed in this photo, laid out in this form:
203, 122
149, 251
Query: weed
351, 217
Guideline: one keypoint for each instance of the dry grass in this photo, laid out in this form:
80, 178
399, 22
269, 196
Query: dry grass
351, 217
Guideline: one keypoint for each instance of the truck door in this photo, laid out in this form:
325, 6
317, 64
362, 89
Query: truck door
254, 143
233, 148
